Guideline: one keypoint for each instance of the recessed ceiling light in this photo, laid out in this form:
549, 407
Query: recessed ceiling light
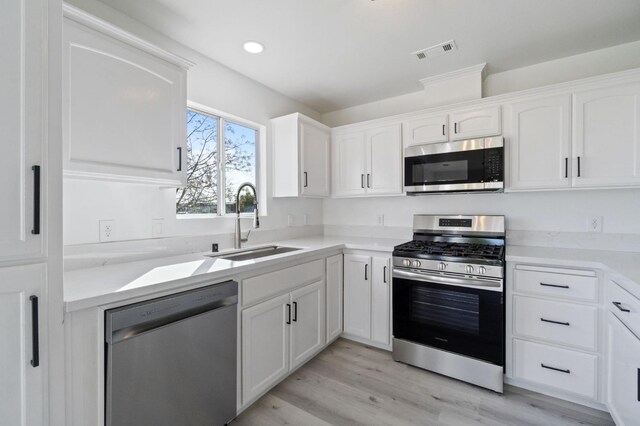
253, 47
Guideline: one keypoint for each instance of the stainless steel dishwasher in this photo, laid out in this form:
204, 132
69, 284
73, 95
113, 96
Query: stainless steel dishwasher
172, 360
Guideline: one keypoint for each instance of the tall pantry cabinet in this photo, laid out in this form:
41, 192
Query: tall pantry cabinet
31, 353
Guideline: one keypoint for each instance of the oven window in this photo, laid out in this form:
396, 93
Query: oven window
441, 172
452, 310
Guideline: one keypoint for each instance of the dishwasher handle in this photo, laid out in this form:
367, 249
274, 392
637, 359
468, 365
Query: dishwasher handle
130, 321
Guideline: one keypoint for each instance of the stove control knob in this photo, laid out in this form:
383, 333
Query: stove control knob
469, 269
442, 266
482, 270
416, 263
406, 262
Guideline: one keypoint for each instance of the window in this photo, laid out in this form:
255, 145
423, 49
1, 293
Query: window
221, 155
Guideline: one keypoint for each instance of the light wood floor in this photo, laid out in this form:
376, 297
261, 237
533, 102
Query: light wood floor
353, 384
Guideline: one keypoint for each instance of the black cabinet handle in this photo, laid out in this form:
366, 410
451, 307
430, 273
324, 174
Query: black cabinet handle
566, 167
638, 389
455, 127
384, 275
35, 334
554, 322
179, 159
362, 180
578, 166
288, 313
443, 134
36, 200
306, 182
366, 270
555, 369
368, 180
295, 311
554, 285
619, 306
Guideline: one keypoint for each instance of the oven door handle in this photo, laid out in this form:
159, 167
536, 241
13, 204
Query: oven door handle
462, 282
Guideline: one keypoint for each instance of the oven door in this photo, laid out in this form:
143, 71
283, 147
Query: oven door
454, 166
465, 320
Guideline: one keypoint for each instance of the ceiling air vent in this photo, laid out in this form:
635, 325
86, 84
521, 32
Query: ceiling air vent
438, 49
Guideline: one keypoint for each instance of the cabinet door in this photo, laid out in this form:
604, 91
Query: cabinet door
380, 300
606, 136
265, 346
384, 160
357, 295
540, 143
125, 110
623, 355
23, 384
349, 164
21, 121
425, 130
314, 143
307, 323
334, 297
476, 124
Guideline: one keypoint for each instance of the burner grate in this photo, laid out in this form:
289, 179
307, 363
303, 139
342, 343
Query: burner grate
452, 249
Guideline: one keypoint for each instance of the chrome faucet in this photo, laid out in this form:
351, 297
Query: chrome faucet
238, 240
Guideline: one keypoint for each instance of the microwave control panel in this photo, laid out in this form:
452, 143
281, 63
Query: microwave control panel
494, 165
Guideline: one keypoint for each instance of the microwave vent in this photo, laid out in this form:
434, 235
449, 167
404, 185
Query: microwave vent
438, 49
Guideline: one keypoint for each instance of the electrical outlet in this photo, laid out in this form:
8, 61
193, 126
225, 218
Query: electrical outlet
381, 219
157, 227
107, 230
289, 220
595, 224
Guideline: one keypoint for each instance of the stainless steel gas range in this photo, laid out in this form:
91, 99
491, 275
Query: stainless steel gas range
448, 298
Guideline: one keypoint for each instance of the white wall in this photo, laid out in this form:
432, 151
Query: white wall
597, 62
133, 206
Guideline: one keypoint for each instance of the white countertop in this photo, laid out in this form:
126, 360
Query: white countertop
85, 288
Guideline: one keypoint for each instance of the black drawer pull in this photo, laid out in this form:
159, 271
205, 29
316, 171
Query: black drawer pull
306, 182
554, 285
619, 306
443, 134
288, 313
179, 159
638, 384
555, 369
554, 322
295, 312
35, 334
566, 167
384, 275
36, 200
362, 180
578, 166
366, 270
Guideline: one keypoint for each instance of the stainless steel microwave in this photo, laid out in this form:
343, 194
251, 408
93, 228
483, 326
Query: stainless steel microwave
461, 166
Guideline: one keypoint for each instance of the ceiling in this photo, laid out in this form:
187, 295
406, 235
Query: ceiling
332, 54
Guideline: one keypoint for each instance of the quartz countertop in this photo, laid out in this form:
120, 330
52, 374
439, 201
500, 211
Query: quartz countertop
111, 284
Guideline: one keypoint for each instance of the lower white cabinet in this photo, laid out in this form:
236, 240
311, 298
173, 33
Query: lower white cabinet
280, 334
334, 296
22, 361
367, 298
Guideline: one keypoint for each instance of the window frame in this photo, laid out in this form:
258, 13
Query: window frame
220, 164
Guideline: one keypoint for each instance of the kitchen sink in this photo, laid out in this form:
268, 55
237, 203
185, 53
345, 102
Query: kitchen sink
254, 253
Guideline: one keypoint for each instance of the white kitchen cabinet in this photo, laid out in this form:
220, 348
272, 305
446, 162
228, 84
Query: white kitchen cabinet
124, 115
307, 323
368, 162
265, 346
22, 119
425, 130
606, 136
280, 334
23, 382
623, 354
476, 123
301, 157
540, 143
334, 280
367, 295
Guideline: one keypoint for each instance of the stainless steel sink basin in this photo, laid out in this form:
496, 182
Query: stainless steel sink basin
254, 253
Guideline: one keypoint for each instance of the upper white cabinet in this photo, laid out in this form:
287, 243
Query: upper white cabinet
124, 105
540, 142
300, 157
368, 162
22, 123
476, 123
425, 130
606, 136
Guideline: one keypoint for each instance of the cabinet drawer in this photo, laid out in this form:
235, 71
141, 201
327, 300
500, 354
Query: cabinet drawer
580, 285
563, 369
557, 322
261, 287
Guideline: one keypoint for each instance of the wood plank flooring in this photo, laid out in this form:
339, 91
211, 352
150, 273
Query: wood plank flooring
353, 384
